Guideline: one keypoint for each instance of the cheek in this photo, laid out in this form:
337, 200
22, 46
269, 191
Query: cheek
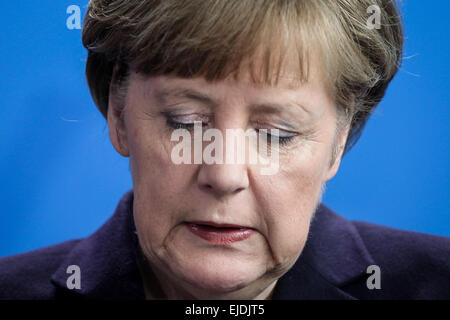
152, 169
287, 216
294, 194
158, 187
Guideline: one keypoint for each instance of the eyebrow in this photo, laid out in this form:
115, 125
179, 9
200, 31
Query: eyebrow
273, 107
269, 107
162, 96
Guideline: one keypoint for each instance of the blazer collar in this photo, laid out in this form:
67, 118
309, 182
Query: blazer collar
334, 255
107, 260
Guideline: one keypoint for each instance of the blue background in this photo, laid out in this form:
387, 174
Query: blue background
61, 178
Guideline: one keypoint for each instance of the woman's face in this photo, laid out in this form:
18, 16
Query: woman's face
183, 211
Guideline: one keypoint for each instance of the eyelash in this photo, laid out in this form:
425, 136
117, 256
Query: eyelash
281, 140
179, 125
189, 126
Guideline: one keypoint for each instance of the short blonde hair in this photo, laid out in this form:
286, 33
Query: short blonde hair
217, 38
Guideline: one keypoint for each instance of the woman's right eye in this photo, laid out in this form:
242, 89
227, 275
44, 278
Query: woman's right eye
180, 125
185, 121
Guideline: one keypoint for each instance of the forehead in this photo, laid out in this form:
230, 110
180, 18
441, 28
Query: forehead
288, 87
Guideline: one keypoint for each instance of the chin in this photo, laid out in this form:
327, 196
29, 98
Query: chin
221, 277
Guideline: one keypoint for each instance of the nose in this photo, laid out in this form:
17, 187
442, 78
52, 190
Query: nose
223, 179
231, 175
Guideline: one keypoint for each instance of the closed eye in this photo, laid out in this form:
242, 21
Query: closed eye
281, 137
184, 122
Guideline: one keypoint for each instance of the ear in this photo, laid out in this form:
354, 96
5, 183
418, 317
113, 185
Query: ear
117, 129
341, 139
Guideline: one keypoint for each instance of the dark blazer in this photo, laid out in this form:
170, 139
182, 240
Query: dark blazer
333, 264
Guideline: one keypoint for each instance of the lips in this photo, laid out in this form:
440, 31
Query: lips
221, 234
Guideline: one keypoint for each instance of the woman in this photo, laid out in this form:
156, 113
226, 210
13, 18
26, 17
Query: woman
307, 74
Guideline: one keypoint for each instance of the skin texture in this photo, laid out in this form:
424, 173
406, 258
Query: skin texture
279, 207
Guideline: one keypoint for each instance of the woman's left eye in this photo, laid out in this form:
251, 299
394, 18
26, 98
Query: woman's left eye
281, 137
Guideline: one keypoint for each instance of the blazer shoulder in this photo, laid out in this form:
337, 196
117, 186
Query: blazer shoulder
27, 275
413, 265
381, 240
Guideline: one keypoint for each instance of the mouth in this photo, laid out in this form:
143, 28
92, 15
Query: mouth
220, 234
